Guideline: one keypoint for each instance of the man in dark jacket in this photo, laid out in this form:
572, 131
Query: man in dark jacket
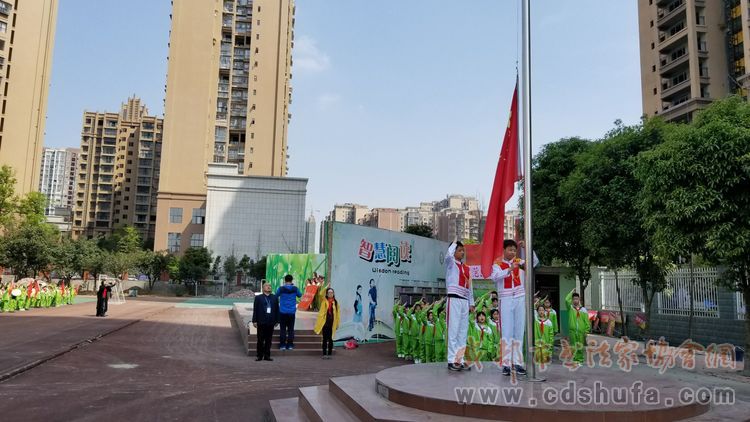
265, 318
102, 299
287, 294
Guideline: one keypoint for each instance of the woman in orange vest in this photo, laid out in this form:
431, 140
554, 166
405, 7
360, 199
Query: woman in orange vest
328, 321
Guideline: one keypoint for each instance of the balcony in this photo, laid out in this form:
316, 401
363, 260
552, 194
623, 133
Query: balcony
5, 8
225, 62
668, 16
666, 41
671, 91
668, 66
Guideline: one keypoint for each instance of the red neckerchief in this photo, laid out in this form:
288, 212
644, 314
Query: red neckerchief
464, 275
514, 278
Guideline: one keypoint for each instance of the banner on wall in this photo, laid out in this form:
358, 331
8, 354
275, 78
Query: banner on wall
367, 265
303, 267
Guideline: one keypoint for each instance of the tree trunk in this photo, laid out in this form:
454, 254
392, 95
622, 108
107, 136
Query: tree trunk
691, 288
746, 294
648, 301
619, 302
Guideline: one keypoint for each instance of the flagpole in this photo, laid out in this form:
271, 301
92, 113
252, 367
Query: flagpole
526, 136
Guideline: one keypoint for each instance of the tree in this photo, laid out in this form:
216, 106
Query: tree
7, 192
604, 185
230, 268
216, 267
123, 239
93, 259
31, 208
119, 263
658, 170
258, 270
152, 264
64, 259
420, 230
699, 192
88, 258
195, 265
245, 265
558, 217
28, 249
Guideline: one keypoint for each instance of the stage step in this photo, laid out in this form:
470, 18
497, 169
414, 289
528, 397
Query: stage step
306, 342
358, 393
319, 405
287, 410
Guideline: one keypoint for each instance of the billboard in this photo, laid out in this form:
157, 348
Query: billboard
366, 268
302, 267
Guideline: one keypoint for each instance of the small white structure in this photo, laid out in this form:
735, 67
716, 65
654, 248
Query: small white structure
253, 215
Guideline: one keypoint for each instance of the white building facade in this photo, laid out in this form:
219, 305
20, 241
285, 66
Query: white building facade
254, 215
57, 177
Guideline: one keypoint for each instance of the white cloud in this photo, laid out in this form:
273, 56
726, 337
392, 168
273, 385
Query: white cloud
308, 57
328, 100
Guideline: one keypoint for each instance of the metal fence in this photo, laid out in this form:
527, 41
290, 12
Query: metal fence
741, 306
674, 300
631, 294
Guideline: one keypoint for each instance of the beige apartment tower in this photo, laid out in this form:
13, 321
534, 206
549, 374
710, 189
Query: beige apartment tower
118, 172
228, 96
692, 52
27, 33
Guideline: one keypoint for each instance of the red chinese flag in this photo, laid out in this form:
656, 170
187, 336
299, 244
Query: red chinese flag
506, 175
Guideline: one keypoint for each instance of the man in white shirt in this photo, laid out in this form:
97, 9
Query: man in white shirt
460, 302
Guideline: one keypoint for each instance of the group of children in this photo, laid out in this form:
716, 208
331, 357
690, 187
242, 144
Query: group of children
421, 331
34, 294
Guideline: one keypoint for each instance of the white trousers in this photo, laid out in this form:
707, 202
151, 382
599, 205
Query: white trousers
513, 322
458, 328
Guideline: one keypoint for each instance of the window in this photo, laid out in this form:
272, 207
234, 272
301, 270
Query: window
196, 240
652, 24
653, 68
3, 27
199, 216
654, 91
175, 215
652, 46
173, 242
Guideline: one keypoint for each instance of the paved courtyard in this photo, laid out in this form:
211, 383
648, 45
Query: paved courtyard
171, 360
157, 360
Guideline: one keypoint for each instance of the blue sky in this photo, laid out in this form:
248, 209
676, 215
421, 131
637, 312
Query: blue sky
395, 102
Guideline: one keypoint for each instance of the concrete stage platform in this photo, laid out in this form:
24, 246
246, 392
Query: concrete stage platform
306, 342
428, 392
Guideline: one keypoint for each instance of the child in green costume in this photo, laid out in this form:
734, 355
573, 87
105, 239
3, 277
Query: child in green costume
441, 330
421, 321
578, 325
551, 315
397, 327
482, 340
428, 337
544, 336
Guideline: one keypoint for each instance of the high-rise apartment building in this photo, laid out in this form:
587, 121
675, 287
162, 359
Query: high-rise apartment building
310, 234
58, 176
692, 52
118, 172
348, 213
228, 96
27, 32
385, 218
455, 217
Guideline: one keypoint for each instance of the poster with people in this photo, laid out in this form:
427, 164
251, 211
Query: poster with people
367, 265
305, 268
